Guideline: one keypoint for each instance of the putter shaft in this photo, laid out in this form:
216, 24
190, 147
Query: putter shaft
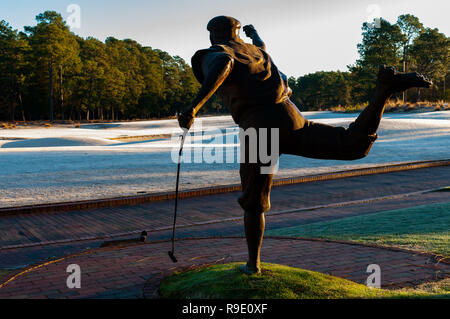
171, 253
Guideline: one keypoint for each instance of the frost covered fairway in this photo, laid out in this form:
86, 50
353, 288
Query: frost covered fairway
63, 163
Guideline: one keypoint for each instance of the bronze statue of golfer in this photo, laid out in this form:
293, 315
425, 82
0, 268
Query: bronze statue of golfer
257, 96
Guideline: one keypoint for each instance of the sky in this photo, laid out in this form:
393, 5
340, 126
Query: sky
301, 36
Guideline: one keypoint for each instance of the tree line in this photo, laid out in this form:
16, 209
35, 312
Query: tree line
48, 72
408, 45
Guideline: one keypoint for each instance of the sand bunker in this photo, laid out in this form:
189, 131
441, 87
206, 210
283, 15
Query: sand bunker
57, 142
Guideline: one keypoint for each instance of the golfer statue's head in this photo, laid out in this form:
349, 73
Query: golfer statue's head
223, 29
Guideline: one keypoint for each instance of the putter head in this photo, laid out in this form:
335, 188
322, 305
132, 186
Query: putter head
143, 237
172, 256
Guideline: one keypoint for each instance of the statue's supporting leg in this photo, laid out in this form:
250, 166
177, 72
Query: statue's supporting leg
254, 232
255, 201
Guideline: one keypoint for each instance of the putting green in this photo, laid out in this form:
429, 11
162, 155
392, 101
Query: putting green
424, 228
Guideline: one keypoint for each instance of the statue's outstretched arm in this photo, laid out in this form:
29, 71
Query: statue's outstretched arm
216, 67
251, 32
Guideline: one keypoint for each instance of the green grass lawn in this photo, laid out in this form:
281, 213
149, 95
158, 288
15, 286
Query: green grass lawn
279, 282
423, 228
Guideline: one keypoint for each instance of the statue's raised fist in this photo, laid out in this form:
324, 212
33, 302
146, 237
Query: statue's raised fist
249, 30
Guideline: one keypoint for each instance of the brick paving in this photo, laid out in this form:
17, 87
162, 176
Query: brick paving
134, 271
37, 228
125, 271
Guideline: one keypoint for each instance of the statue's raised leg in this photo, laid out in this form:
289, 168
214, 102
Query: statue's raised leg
316, 140
389, 81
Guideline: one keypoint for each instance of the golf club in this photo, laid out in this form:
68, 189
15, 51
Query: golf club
171, 253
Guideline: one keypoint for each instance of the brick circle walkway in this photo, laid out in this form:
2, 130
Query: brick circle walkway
134, 271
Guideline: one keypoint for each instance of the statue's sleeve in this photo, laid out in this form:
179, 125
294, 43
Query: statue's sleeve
258, 42
286, 83
198, 57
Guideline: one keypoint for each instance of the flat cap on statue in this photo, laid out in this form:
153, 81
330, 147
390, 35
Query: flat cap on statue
223, 26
